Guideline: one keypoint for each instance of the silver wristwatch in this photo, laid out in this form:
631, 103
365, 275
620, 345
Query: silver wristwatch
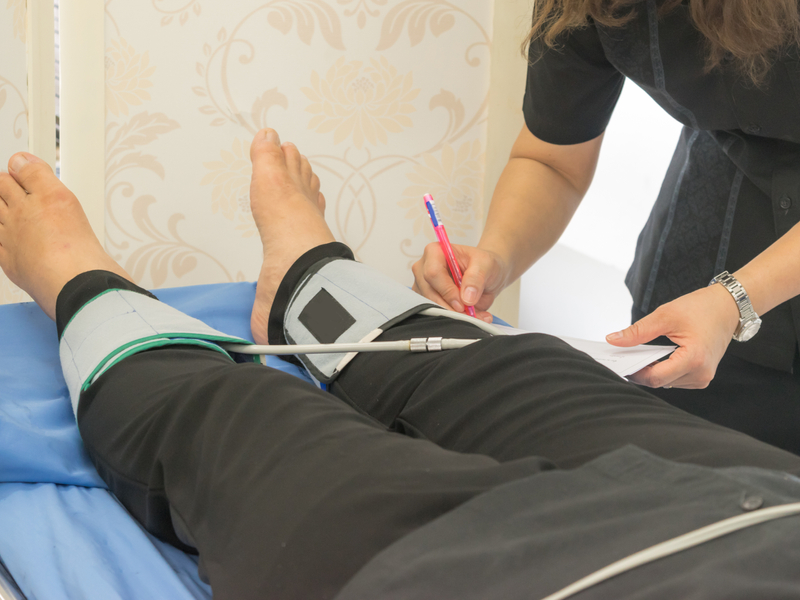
749, 322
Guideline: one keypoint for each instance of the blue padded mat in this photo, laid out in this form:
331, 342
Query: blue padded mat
62, 542
62, 535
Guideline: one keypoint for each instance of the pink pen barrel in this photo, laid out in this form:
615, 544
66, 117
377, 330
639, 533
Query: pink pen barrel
452, 263
446, 246
447, 249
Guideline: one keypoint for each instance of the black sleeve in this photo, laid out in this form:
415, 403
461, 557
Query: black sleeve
572, 88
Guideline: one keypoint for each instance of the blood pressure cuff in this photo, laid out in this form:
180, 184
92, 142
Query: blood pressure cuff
118, 323
343, 301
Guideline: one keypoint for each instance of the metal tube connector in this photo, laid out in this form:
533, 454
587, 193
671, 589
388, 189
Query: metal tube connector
434, 344
418, 344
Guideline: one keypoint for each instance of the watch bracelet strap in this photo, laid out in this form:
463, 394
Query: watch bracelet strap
736, 289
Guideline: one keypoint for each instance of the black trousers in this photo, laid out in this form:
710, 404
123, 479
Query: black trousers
287, 491
759, 401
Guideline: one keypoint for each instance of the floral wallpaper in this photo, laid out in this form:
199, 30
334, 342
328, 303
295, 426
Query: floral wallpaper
13, 104
387, 98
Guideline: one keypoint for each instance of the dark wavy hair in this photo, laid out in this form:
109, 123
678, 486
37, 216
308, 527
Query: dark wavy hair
753, 33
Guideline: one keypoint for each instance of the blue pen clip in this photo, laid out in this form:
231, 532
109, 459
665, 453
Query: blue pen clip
432, 211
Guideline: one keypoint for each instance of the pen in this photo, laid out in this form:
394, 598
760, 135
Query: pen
444, 242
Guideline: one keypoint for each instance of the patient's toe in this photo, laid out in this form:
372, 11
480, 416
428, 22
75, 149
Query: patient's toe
9, 189
307, 172
265, 151
293, 160
31, 172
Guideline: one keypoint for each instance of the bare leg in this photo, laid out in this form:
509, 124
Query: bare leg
45, 237
288, 209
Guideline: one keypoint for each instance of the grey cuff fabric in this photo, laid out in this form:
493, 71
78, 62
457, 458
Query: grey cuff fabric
118, 323
343, 301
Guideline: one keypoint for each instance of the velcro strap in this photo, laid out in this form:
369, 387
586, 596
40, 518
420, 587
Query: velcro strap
343, 302
119, 323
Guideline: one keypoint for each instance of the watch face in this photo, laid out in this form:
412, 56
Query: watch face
749, 329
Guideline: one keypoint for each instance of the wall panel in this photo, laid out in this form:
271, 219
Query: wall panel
13, 103
388, 99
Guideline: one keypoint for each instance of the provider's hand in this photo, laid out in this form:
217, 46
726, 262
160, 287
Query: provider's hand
484, 276
701, 324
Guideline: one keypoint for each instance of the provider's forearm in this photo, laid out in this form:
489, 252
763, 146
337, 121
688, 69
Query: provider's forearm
537, 195
531, 206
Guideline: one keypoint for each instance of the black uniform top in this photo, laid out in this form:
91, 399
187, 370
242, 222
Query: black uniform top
733, 186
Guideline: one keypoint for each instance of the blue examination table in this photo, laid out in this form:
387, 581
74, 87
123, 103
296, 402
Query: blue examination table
62, 534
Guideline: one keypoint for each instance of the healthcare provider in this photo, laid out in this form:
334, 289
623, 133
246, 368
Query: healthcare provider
728, 210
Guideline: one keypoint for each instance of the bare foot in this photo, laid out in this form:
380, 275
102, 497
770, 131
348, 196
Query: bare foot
289, 212
45, 237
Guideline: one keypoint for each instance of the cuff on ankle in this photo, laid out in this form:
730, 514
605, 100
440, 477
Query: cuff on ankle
303, 267
118, 323
341, 301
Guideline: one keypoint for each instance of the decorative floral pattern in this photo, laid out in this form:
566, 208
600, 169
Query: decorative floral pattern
246, 226
230, 181
182, 10
348, 80
20, 9
127, 77
152, 254
283, 14
362, 10
455, 181
163, 252
11, 94
365, 104
439, 15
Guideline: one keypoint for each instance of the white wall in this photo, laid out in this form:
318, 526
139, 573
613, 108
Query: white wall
13, 103
578, 288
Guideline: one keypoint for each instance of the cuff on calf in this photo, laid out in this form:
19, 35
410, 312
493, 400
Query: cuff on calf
343, 301
81, 289
119, 323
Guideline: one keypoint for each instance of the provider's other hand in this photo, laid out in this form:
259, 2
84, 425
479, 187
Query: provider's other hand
701, 324
484, 277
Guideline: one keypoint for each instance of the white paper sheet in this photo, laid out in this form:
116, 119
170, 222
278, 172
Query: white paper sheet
623, 361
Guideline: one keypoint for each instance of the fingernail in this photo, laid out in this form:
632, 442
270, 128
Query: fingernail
470, 295
457, 306
288, 144
613, 337
272, 136
18, 163
489, 319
